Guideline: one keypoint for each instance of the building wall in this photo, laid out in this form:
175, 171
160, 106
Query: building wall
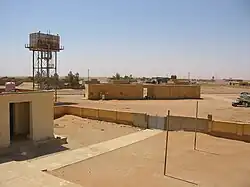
41, 114
135, 91
115, 91
125, 81
173, 91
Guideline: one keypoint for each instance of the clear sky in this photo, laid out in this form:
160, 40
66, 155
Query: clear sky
140, 37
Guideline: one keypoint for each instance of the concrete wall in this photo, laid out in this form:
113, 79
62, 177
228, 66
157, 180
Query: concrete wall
125, 118
140, 120
99, 114
41, 114
156, 122
107, 115
246, 130
177, 123
173, 91
115, 91
231, 130
226, 127
73, 110
90, 113
59, 111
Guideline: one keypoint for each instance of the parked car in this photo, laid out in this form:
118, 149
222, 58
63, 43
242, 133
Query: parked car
243, 100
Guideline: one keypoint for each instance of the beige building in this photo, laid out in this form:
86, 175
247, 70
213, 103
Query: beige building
139, 91
173, 91
26, 116
114, 91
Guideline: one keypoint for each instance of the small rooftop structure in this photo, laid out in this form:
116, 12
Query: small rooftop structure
10, 86
26, 116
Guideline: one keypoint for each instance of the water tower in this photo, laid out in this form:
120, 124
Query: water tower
44, 48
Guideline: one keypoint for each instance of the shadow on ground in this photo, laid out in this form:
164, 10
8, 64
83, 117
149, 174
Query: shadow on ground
64, 103
29, 151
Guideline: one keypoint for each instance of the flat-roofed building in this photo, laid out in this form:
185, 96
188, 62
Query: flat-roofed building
26, 116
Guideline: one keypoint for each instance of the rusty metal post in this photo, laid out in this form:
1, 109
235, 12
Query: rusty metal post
196, 123
166, 145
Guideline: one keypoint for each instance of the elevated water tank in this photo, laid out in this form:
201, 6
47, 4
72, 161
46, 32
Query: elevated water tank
10, 87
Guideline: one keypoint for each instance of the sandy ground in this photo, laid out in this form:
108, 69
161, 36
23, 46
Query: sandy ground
218, 162
217, 89
82, 132
219, 105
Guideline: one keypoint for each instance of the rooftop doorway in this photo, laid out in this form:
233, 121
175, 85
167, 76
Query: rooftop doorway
19, 121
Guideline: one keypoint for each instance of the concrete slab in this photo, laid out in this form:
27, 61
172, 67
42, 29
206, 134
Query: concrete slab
29, 173
22, 174
217, 162
66, 158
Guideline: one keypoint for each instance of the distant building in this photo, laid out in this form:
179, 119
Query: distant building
233, 80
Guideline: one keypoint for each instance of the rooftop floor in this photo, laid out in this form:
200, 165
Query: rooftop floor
218, 162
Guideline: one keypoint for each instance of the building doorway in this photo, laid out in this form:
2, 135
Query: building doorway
12, 119
19, 121
145, 93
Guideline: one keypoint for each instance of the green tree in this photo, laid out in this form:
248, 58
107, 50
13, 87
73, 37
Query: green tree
126, 77
73, 80
76, 79
70, 78
117, 76
55, 80
173, 77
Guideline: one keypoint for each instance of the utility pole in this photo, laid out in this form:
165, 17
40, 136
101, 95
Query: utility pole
166, 143
196, 121
88, 74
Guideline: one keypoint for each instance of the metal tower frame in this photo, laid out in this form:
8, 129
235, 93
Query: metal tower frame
44, 67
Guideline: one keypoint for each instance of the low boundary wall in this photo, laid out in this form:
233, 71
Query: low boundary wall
229, 130
59, 111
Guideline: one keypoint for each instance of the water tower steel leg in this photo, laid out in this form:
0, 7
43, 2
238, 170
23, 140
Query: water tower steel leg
38, 70
56, 62
47, 64
56, 74
33, 72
